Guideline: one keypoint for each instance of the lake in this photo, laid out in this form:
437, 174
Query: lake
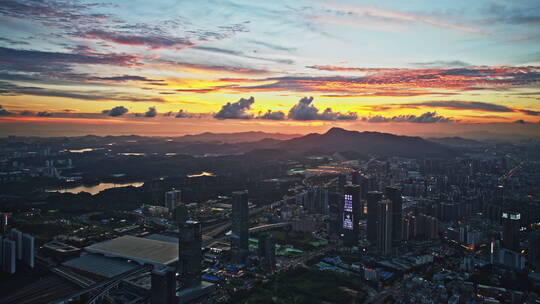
95, 189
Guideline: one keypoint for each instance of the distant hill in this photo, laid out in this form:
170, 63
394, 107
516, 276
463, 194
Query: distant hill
385, 144
234, 137
456, 141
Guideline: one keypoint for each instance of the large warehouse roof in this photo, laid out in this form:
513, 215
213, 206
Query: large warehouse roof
100, 265
141, 250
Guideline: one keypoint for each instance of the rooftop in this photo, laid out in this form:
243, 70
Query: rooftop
141, 250
100, 265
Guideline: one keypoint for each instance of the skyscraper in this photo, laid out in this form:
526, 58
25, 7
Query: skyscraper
373, 198
534, 249
9, 256
240, 227
351, 215
189, 253
267, 251
28, 250
316, 200
163, 286
394, 195
16, 236
173, 199
511, 225
384, 225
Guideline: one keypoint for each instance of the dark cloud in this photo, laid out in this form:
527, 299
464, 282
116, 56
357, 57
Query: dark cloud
58, 13
304, 110
9, 89
55, 63
152, 112
183, 114
44, 114
26, 113
272, 115
116, 111
428, 117
13, 42
124, 78
529, 112
236, 110
4, 112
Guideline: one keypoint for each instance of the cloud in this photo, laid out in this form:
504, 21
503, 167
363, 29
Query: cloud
236, 110
53, 63
397, 82
4, 112
272, 46
427, 117
272, 115
26, 113
127, 38
441, 64
521, 15
363, 16
180, 114
217, 68
458, 105
9, 89
242, 54
529, 112
124, 78
464, 105
116, 111
304, 110
44, 114
152, 112
183, 114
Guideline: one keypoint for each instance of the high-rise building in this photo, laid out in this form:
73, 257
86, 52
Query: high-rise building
373, 199
534, 249
384, 225
1, 252
394, 195
351, 215
189, 253
28, 250
240, 227
342, 181
316, 200
334, 207
267, 251
16, 236
511, 225
172, 199
9, 256
163, 286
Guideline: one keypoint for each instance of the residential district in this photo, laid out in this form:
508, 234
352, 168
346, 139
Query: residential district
344, 230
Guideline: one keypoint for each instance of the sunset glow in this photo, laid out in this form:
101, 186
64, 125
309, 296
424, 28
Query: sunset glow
177, 67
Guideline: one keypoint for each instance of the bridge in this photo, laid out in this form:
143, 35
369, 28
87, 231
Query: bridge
100, 290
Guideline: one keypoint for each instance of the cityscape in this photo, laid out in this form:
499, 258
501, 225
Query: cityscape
254, 152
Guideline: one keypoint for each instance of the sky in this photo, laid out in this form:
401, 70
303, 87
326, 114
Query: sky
167, 67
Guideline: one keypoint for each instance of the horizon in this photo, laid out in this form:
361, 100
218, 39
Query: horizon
130, 67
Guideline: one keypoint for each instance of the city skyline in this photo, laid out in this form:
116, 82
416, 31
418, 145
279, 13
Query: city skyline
420, 68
